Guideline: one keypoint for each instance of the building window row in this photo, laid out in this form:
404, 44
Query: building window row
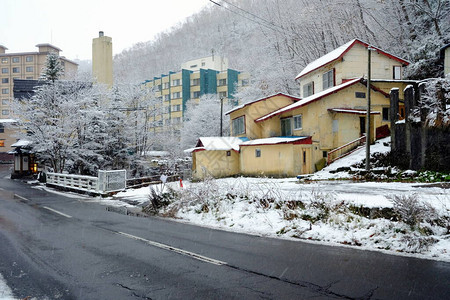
222, 82
176, 95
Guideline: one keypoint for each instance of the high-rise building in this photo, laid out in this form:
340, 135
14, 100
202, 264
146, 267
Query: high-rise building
102, 65
196, 78
23, 65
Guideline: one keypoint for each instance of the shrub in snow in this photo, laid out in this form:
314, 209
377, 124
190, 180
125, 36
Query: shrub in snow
160, 199
410, 210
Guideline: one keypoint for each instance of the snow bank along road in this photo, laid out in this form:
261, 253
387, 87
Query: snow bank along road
67, 248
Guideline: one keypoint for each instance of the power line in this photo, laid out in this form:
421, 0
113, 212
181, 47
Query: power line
268, 24
252, 14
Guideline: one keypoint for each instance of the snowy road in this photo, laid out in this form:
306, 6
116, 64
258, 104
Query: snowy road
71, 248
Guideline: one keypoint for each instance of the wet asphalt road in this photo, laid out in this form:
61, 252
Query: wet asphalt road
54, 247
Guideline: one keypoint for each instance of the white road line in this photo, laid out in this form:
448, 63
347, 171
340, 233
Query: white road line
173, 249
57, 212
20, 197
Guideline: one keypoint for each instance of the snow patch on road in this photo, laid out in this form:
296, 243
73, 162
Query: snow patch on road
5, 291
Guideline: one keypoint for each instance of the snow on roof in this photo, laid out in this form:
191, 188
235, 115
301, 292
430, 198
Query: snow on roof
21, 143
156, 153
338, 53
309, 99
295, 98
352, 111
7, 121
275, 140
219, 143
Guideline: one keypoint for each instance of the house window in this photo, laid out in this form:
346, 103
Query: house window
5, 91
196, 95
402, 112
203, 64
4, 60
196, 81
245, 82
385, 113
308, 89
166, 85
16, 70
176, 107
238, 126
5, 112
297, 122
258, 152
166, 97
5, 80
304, 157
222, 95
176, 82
222, 82
16, 59
324, 154
29, 58
159, 88
328, 79
2, 128
397, 72
286, 127
360, 95
5, 70
2, 143
228, 153
29, 69
176, 95
5, 101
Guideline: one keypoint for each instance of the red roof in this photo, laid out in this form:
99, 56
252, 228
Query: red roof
338, 53
295, 98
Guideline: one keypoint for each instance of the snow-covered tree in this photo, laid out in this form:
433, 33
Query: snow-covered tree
203, 119
53, 69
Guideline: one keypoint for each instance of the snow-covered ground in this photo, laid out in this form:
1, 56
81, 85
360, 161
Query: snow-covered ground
5, 291
319, 211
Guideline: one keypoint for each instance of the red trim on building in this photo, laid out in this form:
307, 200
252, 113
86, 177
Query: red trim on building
404, 62
307, 103
304, 141
295, 99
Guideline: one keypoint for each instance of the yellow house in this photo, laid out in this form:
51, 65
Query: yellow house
216, 157
291, 135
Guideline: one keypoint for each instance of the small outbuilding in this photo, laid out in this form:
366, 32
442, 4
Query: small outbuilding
24, 160
216, 157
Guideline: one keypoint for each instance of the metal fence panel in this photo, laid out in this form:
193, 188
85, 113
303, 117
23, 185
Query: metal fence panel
111, 181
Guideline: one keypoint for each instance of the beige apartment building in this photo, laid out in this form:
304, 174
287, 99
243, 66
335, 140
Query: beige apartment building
198, 77
23, 65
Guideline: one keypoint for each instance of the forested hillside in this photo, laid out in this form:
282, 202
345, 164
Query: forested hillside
273, 39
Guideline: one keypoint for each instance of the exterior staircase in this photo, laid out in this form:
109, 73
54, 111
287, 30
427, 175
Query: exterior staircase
345, 150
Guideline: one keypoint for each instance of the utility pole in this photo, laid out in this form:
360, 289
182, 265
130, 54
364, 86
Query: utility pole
369, 52
221, 115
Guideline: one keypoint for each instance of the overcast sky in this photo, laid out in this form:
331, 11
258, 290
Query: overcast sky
71, 25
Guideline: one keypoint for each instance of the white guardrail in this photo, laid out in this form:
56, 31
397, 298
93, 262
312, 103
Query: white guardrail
106, 182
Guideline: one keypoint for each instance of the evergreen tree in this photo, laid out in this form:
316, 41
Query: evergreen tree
53, 69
